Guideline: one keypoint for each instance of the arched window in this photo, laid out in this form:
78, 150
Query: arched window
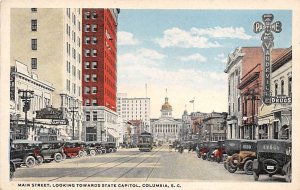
282, 87
276, 89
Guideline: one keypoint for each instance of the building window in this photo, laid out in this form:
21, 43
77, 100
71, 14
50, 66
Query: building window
94, 65
86, 90
94, 28
94, 102
87, 65
86, 78
87, 102
79, 25
33, 63
87, 52
68, 85
87, 15
276, 89
87, 28
78, 74
79, 91
34, 44
282, 87
68, 67
74, 88
87, 40
73, 70
95, 116
94, 15
239, 104
94, 90
94, 77
94, 52
87, 116
94, 40
290, 87
34, 10
33, 25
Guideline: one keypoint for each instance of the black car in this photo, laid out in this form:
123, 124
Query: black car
273, 158
109, 146
52, 150
25, 152
232, 146
12, 169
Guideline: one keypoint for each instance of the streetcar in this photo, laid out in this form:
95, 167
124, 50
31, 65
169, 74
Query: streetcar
145, 142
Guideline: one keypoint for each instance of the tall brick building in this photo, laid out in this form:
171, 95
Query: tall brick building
99, 50
99, 72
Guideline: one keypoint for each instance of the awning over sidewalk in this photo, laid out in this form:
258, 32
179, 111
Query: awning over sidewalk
265, 121
113, 133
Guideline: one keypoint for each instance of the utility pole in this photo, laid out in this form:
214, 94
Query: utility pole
26, 96
73, 110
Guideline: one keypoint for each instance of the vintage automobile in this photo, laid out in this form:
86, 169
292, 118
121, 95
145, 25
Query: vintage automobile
273, 158
243, 160
25, 152
74, 148
92, 148
232, 146
203, 151
212, 146
109, 146
12, 169
52, 150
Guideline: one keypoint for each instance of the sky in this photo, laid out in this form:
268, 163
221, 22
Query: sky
185, 52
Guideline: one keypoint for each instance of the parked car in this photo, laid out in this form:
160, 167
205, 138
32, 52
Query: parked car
273, 158
25, 152
203, 151
109, 146
243, 160
74, 148
91, 148
53, 150
12, 169
232, 146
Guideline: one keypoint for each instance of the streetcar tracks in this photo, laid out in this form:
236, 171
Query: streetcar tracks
136, 166
93, 167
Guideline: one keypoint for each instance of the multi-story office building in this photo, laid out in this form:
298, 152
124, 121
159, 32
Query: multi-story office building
99, 70
49, 42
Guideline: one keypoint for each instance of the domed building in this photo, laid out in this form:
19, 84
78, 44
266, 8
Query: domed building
166, 128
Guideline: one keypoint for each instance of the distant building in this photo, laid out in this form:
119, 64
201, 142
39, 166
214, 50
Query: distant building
214, 127
166, 128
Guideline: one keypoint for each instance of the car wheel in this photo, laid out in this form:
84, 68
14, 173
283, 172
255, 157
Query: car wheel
58, 157
248, 167
93, 153
255, 176
225, 165
80, 154
288, 177
39, 160
231, 168
203, 157
29, 161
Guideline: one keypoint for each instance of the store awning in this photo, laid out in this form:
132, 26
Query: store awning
113, 133
264, 121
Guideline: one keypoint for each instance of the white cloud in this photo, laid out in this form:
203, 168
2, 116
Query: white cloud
221, 58
126, 38
200, 37
194, 57
182, 84
176, 37
219, 32
149, 53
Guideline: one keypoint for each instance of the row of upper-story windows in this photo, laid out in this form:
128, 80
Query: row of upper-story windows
92, 78
90, 28
90, 103
280, 87
90, 65
88, 52
90, 15
90, 40
90, 90
73, 70
75, 90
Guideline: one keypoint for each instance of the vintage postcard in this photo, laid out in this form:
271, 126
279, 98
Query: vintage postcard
152, 95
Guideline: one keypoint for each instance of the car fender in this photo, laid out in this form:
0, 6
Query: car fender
284, 168
255, 166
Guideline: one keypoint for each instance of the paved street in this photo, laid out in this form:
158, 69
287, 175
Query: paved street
131, 165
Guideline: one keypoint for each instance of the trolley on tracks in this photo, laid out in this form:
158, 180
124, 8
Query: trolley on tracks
145, 142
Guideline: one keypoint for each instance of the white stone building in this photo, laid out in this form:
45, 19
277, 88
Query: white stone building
49, 42
233, 69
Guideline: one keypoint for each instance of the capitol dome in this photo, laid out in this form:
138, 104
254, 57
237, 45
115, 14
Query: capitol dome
166, 105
